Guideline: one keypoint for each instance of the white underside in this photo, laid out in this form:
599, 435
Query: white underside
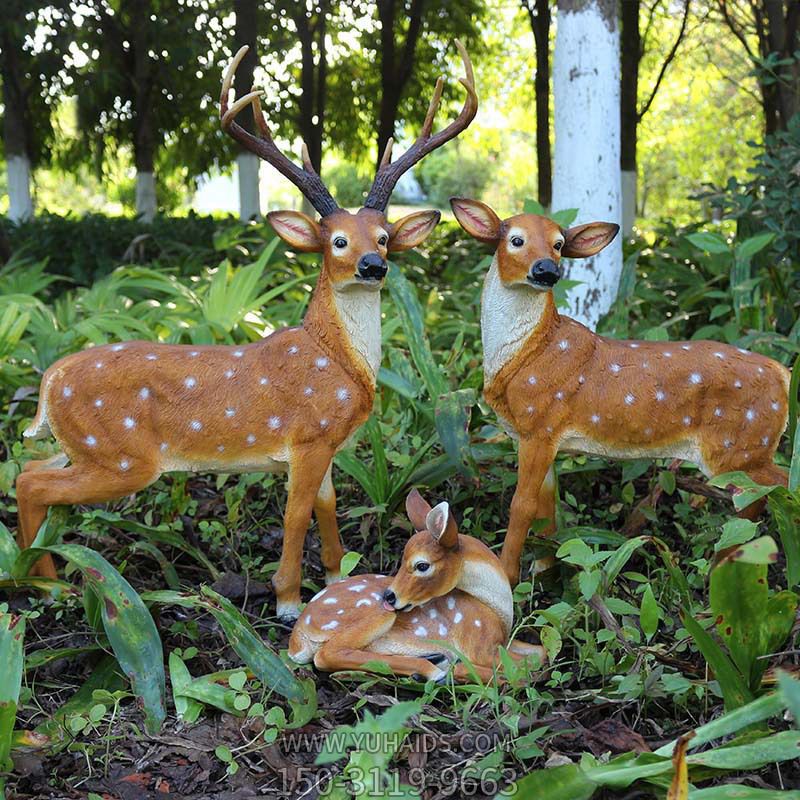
359, 310
259, 464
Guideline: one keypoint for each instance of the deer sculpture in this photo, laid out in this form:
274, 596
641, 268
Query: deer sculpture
128, 412
449, 587
557, 386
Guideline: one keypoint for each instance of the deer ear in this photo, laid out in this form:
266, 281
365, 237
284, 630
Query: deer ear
417, 509
477, 219
586, 240
297, 230
412, 230
442, 526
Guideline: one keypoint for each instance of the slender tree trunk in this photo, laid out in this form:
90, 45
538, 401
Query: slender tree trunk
144, 144
540, 18
781, 38
16, 137
631, 47
586, 83
247, 164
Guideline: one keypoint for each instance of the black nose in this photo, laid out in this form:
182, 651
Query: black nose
544, 272
372, 267
389, 597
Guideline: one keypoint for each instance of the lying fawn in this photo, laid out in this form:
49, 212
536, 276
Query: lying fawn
557, 386
449, 587
124, 414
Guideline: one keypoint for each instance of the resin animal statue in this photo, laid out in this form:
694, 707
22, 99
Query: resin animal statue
557, 386
449, 588
125, 413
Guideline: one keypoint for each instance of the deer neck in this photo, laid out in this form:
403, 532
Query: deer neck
510, 317
483, 577
347, 325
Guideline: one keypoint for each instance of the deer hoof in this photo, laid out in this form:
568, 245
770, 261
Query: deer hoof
332, 577
287, 613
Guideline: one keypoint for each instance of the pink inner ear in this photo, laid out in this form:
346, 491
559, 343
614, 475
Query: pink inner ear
477, 220
409, 231
300, 230
589, 241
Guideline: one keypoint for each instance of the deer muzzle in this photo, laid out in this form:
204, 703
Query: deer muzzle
544, 273
371, 268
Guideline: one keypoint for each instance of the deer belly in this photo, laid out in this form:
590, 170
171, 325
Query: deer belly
236, 464
579, 442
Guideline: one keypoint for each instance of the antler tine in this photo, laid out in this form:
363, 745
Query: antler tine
389, 173
306, 180
387, 153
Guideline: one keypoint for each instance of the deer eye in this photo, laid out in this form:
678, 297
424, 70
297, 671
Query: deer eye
558, 245
382, 240
422, 566
517, 241
340, 242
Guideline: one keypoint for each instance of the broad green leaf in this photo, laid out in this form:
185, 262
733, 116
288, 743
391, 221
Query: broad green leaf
130, 630
710, 242
349, 562
785, 509
650, 613
790, 692
187, 709
736, 531
755, 244
12, 637
568, 782
452, 414
731, 791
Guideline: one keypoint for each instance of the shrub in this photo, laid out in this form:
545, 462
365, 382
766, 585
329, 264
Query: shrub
452, 172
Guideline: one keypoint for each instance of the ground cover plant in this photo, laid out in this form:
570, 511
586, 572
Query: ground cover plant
154, 667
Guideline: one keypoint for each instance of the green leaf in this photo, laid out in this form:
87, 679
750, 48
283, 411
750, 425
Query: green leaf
12, 637
9, 550
755, 244
130, 630
621, 556
568, 782
736, 531
790, 692
452, 413
650, 613
565, 217
785, 509
731, 791
349, 562
187, 709
588, 582
710, 242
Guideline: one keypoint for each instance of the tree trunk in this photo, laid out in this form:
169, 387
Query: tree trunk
246, 33
586, 83
631, 47
16, 136
781, 38
539, 15
144, 143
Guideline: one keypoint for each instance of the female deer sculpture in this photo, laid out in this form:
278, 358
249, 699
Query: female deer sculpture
557, 386
126, 413
449, 588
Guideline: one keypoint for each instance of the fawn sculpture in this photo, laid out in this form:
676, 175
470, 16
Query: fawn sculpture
557, 386
449, 587
126, 413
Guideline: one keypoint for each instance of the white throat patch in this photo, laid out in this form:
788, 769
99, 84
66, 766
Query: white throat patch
508, 317
360, 313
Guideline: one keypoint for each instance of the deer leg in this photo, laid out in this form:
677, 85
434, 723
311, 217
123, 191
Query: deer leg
535, 459
306, 473
39, 488
546, 509
325, 512
517, 650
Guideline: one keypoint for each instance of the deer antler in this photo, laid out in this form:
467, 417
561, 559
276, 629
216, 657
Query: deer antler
306, 179
389, 173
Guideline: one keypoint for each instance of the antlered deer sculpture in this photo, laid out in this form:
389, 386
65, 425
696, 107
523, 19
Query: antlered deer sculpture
126, 413
557, 386
449, 587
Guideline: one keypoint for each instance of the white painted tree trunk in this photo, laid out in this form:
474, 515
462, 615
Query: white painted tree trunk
587, 147
628, 202
247, 165
145, 196
20, 204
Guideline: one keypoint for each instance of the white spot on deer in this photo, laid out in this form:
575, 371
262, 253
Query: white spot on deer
238, 353
727, 443
633, 345
117, 347
737, 384
190, 383
340, 611
761, 370
742, 350
230, 412
319, 594
221, 448
563, 345
377, 596
194, 353
719, 355
717, 412
124, 464
329, 626
581, 380
775, 406
308, 391
629, 399
442, 630
421, 631
323, 423
144, 393
559, 395
308, 619
667, 354
414, 620
98, 365
163, 447
433, 613
451, 603
90, 440
750, 414
530, 409
364, 602
129, 422
645, 364
98, 403
67, 391
695, 378
151, 357
342, 394
532, 380
458, 617
660, 395
686, 347
687, 420
477, 623
229, 373
251, 438
196, 425
359, 587
293, 350
329, 601
322, 362
263, 381
595, 418
765, 440
615, 368
274, 423
648, 431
